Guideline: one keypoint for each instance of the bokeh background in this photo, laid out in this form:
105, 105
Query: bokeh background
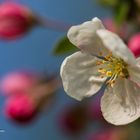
34, 52
65, 117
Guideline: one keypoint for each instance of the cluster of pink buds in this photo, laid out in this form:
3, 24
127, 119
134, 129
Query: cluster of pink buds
27, 94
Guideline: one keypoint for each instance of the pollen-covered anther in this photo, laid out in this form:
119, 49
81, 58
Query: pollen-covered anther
100, 53
102, 76
109, 57
102, 71
123, 75
111, 82
99, 63
112, 68
109, 73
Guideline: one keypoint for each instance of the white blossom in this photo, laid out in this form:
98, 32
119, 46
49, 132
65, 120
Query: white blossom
104, 59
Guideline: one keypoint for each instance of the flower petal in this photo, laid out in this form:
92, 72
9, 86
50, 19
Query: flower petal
84, 36
134, 72
121, 105
115, 44
138, 61
79, 75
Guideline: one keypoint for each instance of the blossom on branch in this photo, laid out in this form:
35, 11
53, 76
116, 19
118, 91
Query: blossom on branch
104, 60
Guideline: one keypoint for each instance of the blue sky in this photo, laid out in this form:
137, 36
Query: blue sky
33, 52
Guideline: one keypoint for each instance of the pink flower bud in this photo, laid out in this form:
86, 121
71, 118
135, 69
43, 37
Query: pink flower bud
109, 24
113, 27
15, 20
134, 44
17, 82
94, 111
20, 108
73, 120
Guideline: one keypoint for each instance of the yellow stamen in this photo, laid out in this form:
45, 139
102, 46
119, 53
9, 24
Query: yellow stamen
109, 73
112, 67
100, 53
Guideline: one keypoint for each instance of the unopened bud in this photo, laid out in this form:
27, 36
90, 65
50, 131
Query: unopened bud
20, 108
74, 119
134, 44
17, 82
113, 27
15, 20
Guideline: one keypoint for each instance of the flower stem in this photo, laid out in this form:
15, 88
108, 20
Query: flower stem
52, 24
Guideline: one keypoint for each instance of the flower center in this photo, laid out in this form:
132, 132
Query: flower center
112, 68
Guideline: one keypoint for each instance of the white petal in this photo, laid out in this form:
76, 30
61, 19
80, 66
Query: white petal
115, 44
138, 61
84, 36
121, 105
79, 75
134, 72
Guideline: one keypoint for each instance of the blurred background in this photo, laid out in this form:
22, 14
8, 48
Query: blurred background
33, 103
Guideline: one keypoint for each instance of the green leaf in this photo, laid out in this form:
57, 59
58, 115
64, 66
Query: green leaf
64, 46
110, 3
121, 12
